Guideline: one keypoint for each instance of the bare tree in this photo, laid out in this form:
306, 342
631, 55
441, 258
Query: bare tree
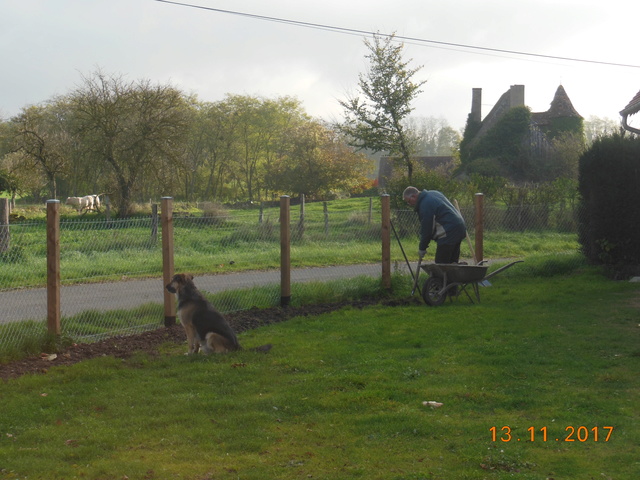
41, 138
134, 127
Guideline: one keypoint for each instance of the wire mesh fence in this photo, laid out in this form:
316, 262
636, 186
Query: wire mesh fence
111, 270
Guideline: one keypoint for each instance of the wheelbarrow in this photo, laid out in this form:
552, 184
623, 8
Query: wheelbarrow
452, 279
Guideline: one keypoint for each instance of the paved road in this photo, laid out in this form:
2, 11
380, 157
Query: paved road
18, 305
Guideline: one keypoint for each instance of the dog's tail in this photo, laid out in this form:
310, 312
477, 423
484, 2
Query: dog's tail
263, 348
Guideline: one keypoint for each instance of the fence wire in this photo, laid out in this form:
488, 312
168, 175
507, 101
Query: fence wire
111, 271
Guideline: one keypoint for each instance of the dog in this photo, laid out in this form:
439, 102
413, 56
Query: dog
205, 326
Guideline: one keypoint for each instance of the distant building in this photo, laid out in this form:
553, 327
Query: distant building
561, 108
543, 126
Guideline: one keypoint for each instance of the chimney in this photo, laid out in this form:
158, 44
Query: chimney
516, 96
476, 105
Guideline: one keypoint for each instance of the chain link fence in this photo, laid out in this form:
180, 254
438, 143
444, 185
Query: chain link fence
111, 270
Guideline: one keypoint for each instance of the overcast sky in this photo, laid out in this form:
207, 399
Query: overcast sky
46, 46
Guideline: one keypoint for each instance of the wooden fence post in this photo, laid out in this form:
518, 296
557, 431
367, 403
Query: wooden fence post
479, 226
386, 241
53, 267
5, 238
285, 251
167, 260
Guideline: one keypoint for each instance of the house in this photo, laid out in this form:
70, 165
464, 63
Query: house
632, 108
560, 108
528, 146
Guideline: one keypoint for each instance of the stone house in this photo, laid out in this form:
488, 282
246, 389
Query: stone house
527, 156
541, 122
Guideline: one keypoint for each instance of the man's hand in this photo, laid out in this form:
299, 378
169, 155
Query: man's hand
421, 254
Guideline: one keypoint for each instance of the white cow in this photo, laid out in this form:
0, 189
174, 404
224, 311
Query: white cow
88, 202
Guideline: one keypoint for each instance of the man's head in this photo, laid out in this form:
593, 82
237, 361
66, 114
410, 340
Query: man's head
410, 195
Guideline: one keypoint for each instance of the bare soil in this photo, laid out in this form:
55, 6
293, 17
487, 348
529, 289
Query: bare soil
149, 342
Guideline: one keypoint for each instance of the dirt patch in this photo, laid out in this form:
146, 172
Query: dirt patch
149, 342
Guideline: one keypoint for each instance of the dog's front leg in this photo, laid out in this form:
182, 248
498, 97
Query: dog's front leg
194, 346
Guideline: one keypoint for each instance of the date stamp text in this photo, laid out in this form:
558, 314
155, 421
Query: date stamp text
542, 434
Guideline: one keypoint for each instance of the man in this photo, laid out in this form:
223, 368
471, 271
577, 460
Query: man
439, 221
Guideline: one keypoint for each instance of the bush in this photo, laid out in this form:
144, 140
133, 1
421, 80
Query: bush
609, 223
214, 213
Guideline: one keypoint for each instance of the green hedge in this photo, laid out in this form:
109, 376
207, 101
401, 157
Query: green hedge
609, 184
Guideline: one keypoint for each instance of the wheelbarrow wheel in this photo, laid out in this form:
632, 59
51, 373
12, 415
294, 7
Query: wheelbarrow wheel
431, 291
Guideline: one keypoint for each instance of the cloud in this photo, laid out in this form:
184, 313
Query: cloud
46, 47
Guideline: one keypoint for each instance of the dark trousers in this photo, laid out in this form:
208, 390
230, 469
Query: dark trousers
448, 253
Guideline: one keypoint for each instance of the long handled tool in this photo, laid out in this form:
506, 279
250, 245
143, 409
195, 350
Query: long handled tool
485, 282
473, 253
402, 250
415, 279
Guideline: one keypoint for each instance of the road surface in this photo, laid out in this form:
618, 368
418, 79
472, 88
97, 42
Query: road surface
25, 304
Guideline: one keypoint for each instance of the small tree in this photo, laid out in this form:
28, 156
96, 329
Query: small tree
376, 121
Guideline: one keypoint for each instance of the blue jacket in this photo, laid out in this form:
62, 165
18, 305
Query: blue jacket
439, 220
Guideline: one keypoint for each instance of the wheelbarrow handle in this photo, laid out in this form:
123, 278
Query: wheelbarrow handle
495, 272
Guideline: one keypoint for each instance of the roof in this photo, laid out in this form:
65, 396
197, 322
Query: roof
632, 107
561, 106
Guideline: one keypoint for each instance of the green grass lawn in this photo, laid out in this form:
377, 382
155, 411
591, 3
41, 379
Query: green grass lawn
340, 396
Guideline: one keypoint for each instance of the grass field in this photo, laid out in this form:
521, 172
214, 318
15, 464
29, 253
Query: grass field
340, 396
94, 250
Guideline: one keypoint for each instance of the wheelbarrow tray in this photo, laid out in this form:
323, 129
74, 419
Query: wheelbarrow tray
457, 273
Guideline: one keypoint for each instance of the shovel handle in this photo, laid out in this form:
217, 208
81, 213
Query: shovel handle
402, 249
473, 253
415, 280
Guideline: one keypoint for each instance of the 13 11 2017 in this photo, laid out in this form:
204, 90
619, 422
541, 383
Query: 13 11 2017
541, 434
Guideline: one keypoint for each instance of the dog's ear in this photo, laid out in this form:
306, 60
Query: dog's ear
188, 276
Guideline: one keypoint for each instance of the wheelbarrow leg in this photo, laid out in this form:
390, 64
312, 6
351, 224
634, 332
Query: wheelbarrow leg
476, 290
463, 288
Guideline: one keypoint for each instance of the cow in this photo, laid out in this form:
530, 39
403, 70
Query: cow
96, 201
88, 202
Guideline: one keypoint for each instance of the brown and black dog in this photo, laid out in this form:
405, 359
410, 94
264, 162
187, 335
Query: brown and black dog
205, 326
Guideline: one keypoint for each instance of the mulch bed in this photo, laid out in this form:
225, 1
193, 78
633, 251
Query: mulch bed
149, 342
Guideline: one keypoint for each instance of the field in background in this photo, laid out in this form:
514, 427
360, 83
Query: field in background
347, 233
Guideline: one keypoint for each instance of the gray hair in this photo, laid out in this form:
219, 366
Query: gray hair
409, 191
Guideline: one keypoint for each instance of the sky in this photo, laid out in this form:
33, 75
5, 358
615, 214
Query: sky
48, 46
